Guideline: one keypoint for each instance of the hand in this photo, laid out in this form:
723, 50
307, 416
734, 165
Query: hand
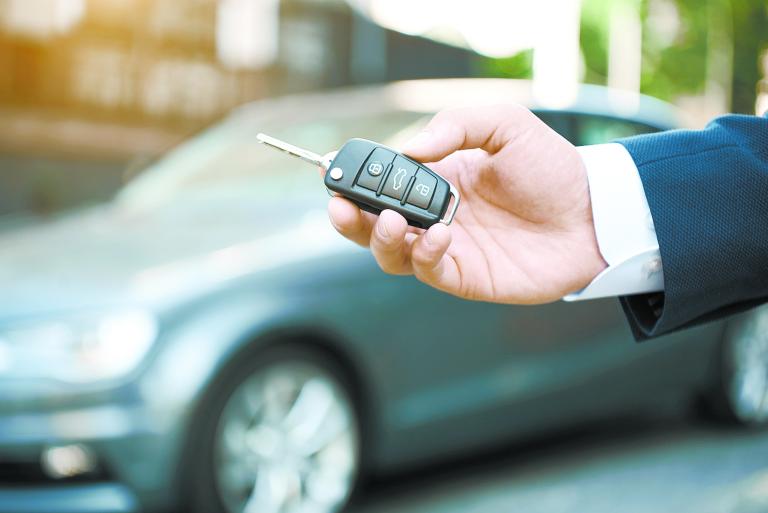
523, 232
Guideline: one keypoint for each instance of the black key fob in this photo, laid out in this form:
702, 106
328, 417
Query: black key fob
376, 177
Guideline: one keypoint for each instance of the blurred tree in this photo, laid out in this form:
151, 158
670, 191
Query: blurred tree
686, 44
674, 48
750, 22
519, 65
671, 70
594, 40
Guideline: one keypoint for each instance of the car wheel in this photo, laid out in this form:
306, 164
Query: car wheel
283, 437
744, 369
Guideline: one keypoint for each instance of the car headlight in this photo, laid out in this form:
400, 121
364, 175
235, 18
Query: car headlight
78, 349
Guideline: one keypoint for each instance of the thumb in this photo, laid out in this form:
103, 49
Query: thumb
424, 147
488, 127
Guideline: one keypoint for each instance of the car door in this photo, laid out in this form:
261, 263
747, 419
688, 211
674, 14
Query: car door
474, 373
481, 371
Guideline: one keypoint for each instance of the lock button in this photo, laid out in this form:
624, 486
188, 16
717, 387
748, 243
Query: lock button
374, 168
423, 189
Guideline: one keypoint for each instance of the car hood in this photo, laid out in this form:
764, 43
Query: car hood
113, 254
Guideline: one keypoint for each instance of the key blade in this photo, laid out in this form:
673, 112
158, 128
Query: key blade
295, 151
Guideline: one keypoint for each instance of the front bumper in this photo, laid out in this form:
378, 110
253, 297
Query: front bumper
74, 498
136, 452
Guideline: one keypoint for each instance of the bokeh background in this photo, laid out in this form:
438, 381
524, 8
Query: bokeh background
95, 92
80, 75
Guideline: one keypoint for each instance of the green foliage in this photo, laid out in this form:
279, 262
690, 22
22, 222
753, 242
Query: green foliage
594, 40
519, 65
750, 38
669, 71
677, 35
740, 28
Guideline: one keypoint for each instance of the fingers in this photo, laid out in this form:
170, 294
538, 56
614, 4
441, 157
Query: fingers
489, 128
350, 221
386, 234
388, 243
396, 249
430, 262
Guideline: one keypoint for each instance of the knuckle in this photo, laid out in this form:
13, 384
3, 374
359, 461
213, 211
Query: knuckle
387, 268
508, 110
519, 111
390, 264
359, 231
423, 259
389, 256
447, 116
428, 273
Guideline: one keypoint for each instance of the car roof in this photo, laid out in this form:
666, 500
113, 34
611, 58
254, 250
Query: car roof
432, 95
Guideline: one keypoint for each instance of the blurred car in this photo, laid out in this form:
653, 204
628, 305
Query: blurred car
207, 341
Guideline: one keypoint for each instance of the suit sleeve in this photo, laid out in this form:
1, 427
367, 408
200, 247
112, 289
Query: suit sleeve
707, 192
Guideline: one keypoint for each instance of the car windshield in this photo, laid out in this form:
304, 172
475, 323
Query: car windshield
227, 164
227, 160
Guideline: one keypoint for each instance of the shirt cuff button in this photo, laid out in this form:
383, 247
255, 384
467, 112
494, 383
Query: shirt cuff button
652, 267
651, 226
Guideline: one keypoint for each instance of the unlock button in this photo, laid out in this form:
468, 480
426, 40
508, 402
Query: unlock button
423, 189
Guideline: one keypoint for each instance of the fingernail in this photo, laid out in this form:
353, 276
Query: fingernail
430, 237
381, 227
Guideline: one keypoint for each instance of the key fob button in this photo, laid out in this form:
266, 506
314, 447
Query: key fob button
397, 181
423, 189
373, 169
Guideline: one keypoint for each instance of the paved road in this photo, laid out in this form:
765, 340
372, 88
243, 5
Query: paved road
667, 467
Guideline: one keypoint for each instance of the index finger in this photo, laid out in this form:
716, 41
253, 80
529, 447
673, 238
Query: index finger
350, 221
489, 127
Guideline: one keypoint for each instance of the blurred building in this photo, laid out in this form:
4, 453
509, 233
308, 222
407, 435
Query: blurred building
91, 87
186, 60
329, 44
134, 58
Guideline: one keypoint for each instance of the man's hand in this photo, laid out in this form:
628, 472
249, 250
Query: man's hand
523, 232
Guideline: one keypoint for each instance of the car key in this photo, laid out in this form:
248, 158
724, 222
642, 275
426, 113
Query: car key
376, 177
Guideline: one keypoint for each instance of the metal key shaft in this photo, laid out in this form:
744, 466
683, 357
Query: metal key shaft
295, 151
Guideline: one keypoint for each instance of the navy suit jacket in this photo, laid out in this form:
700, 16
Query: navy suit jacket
708, 195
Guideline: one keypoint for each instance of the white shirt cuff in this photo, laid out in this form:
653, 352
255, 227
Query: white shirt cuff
623, 226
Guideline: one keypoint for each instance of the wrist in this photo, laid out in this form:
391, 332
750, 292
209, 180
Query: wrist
621, 224
593, 262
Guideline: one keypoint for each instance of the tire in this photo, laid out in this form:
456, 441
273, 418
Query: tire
742, 390
279, 432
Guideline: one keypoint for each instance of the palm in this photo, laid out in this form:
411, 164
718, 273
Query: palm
515, 242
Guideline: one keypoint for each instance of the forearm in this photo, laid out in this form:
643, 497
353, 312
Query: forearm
708, 194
